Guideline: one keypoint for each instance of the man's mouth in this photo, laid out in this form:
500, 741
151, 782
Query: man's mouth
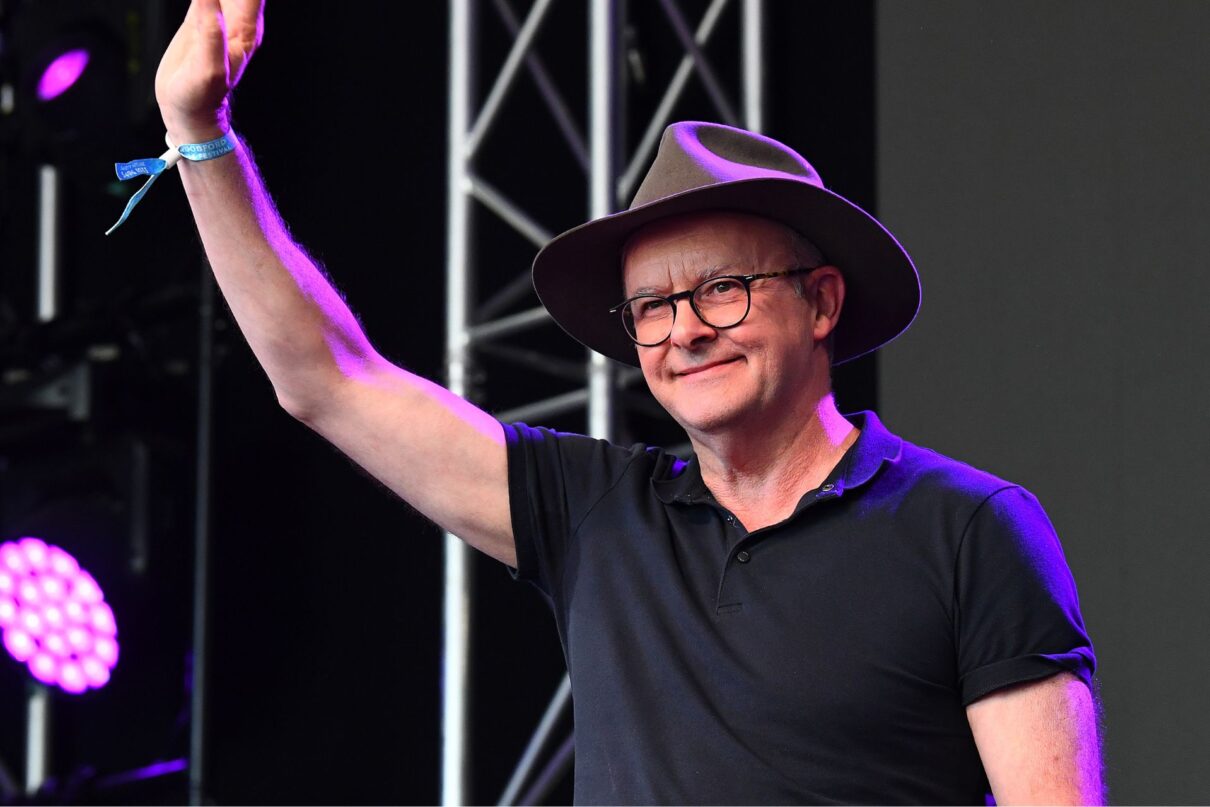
701, 368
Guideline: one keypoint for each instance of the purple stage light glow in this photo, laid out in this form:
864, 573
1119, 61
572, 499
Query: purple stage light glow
60, 74
54, 617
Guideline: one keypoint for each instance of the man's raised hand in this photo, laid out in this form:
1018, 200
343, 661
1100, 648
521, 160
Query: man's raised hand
203, 63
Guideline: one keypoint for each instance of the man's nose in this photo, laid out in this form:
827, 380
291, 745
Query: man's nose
688, 328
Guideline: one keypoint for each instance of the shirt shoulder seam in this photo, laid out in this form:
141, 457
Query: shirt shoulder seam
576, 529
966, 531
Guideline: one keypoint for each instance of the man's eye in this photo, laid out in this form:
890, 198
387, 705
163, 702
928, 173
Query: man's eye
721, 287
649, 306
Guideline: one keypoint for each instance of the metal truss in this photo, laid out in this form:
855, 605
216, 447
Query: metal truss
476, 328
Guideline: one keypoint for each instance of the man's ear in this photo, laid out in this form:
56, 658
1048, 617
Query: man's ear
826, 291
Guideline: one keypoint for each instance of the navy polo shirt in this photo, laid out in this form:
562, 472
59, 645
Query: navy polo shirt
824, 659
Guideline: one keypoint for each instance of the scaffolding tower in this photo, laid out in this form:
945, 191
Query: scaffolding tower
611, 173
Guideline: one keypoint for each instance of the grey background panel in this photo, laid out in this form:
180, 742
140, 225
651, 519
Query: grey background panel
1048, 167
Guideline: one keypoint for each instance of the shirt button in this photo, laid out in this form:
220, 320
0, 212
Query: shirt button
828, 487
742, 556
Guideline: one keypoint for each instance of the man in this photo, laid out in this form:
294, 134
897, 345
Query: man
808, 610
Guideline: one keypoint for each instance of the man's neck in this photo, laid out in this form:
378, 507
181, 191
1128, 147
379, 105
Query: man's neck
761, 475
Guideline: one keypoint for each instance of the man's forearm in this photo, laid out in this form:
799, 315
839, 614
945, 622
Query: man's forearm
434, 449
300, 329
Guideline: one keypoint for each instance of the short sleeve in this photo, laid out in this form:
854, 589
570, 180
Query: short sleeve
1017, 612
554, 480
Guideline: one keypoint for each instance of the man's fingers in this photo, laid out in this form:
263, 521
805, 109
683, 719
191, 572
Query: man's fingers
207, 17
211, 33
245, 18
245, 29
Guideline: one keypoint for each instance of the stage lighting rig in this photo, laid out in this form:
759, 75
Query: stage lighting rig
54, 616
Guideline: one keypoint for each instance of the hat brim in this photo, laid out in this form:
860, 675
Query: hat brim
578, 274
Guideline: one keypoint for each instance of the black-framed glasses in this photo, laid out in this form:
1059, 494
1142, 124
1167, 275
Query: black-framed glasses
720, 302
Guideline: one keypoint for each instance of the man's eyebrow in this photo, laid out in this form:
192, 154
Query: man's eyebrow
719, 269
704, 274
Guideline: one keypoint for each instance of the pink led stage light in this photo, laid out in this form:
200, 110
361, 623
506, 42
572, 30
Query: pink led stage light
54, 616
60, 74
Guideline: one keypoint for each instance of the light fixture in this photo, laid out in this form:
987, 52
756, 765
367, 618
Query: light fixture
62, 72
54, 616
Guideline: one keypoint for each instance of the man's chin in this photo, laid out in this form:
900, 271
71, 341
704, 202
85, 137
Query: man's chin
709, 422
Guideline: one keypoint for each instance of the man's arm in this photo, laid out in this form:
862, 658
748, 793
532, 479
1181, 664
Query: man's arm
437, 451
1039, 742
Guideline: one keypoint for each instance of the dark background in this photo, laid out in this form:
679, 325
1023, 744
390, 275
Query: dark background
1048, 166
1041, 165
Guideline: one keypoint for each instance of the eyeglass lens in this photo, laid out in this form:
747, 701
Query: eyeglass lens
721, 302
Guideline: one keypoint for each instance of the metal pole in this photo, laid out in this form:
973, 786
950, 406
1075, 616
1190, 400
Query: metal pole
48, 243
558, 107
603, 116
455, 691
37, 738
558, 765
705, 72
508, 212
553, 710
508, 73
641, 156
753, 57
201, 541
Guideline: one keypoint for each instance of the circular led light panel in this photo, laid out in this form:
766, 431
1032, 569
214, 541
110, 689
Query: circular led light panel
54, 616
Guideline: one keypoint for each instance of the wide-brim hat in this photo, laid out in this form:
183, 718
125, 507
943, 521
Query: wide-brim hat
708, 166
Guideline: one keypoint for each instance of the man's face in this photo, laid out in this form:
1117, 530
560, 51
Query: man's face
708, 379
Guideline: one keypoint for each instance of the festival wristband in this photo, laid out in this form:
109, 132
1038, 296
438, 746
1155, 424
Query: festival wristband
152, 167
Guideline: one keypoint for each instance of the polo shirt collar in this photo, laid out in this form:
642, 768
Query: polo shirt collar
875, 445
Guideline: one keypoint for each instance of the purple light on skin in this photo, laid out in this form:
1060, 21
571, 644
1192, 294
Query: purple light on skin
55, 618
60, 74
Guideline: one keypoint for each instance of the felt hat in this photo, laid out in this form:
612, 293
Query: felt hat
708, 166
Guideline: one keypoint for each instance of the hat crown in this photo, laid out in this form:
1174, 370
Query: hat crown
694, 154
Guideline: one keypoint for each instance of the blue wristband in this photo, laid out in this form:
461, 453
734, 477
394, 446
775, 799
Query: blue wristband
152, 167
198, 152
